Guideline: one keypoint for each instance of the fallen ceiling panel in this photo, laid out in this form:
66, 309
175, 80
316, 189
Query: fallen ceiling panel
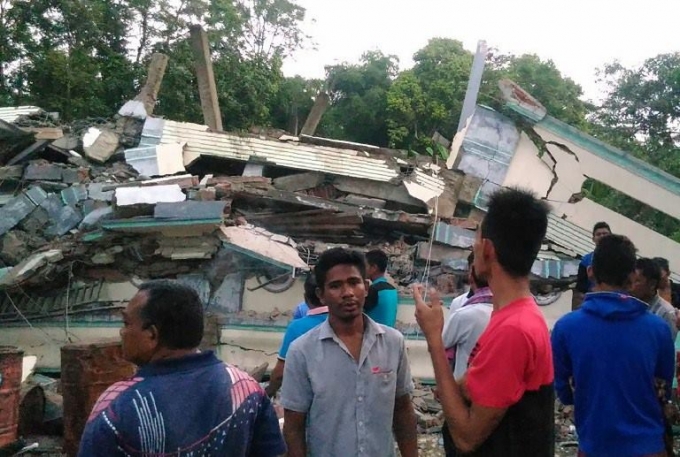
263, 245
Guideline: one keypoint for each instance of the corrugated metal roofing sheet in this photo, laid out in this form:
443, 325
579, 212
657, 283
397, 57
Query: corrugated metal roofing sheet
10, 114
288, 154
569, 236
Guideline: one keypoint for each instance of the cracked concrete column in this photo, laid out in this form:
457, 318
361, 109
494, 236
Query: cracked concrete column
206, 78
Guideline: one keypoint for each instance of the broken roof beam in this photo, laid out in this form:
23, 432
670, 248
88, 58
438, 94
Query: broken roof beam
154, 77
321, 104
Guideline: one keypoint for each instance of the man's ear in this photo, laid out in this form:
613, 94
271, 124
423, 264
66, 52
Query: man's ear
367, 284
589, 270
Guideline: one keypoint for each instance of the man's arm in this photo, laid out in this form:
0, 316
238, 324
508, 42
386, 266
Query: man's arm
266, 439
294, 431
405, 426
469, 426
296, 399
404, 423
275, 378
98, 440
563, 366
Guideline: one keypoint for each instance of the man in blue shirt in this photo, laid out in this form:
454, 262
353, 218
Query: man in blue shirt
182, 401
609, 356
583, 283
316, 314
382, 300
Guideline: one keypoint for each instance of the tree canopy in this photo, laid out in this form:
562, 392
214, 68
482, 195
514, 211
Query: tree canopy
84, 59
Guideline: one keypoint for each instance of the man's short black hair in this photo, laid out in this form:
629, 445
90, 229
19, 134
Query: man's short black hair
614, 260
515, 222
310, 292
338, 256
663, 264
176, 311
649, 269
601, 225
377, 258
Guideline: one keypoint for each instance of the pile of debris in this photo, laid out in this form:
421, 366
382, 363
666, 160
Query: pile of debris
139, 196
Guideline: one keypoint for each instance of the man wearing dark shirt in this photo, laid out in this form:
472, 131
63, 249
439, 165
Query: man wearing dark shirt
504, 405
182, 401
583, 283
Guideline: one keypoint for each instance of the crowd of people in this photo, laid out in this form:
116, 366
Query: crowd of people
343, 369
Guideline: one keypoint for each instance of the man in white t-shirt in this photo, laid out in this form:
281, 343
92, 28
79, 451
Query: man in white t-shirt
460, 300
465, 325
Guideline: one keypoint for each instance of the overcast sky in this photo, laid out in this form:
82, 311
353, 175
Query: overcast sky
578, 35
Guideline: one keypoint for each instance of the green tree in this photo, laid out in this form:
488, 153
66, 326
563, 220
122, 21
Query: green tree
429, 97
359, 99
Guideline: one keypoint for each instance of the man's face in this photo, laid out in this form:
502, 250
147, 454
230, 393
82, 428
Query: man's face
140, 339
642, 288
371, 270
344, 292
599, 234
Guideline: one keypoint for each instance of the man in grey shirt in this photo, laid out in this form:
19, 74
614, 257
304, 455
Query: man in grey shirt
347, 383
646, 288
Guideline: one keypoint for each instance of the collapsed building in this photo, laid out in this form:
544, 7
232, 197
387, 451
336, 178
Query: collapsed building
91, 210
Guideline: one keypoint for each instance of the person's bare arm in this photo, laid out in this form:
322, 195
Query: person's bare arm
469, 426
294, 433
404, 426
276, 378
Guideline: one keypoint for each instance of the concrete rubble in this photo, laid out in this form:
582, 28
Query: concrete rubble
143, 197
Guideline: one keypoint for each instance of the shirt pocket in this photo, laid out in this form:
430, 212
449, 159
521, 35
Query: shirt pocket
385, 382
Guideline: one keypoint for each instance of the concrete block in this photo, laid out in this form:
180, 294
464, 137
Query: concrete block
100, 145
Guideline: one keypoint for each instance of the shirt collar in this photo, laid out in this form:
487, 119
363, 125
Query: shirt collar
317, 310
186, 363
370, 328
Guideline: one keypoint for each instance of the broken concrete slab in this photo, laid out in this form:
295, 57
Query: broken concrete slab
107, 257
469, 188
46, 133
137, 195
396, 193
41, 170
258, 243
99, 145
299, 181
133, 109
66, 142
28, 152
157, 160
30, 267
20, 207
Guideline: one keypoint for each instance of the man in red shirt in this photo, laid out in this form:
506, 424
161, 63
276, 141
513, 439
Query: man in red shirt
504, 405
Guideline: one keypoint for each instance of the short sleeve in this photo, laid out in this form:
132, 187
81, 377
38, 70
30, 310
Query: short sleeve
495, 378
296, 392
455, 329
288, 338
267, 439
404, 380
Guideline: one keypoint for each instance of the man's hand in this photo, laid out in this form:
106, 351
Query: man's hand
430, 317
